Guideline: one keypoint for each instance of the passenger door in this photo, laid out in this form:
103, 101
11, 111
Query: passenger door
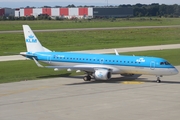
152, 65
49, 58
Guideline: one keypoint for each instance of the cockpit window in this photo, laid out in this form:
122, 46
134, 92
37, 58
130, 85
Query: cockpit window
164, 63
167, 63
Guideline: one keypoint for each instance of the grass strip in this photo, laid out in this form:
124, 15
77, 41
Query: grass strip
87, 40
121, 22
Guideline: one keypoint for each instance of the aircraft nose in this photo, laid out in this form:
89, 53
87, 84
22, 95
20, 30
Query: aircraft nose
174, 71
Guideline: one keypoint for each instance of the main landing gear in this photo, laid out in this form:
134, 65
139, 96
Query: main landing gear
87, 78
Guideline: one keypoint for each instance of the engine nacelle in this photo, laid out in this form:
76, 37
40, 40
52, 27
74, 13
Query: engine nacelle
102, 74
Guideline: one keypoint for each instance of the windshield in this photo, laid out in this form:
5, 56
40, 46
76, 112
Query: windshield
164, 63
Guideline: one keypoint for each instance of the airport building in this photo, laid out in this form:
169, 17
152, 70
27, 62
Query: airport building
112, 12
54, 12
7, 12
84, 12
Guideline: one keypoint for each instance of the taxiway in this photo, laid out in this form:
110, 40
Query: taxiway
103, 51
73, 99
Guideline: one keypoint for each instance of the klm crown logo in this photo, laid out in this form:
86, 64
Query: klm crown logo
100, 75
140, 60
31, 36
31, 39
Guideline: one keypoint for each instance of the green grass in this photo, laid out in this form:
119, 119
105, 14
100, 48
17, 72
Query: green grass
84, 40
14, 71
52, 24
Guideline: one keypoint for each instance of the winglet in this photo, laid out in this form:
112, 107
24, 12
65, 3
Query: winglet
37, 63
116, 52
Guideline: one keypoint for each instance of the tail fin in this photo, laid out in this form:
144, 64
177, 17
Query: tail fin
32, 43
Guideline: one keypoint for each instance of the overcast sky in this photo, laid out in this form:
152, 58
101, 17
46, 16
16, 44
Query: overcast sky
52, 3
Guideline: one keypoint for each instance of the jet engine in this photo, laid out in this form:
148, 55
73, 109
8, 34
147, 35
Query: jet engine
102, 74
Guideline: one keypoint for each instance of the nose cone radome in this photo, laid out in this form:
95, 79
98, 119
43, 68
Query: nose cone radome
174, 71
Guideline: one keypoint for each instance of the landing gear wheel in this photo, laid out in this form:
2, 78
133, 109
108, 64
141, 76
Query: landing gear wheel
87, 78
158, 80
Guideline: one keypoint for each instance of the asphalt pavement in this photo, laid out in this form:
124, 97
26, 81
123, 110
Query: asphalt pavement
70, 98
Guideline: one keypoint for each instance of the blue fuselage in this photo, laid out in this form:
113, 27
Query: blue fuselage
121, 63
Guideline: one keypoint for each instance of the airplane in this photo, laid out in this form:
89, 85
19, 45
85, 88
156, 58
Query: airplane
96, 66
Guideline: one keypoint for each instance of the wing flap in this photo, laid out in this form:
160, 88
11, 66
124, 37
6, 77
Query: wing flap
82, 68
89, 69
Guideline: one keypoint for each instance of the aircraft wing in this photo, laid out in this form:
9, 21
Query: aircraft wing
82, 68
85, 68
89, 69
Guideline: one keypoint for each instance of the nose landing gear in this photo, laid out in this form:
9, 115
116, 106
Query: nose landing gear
158, 79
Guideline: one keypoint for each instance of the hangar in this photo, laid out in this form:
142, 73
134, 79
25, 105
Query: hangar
113, 12
82, 12
6, 12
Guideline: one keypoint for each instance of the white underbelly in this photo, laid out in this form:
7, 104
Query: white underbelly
118, 69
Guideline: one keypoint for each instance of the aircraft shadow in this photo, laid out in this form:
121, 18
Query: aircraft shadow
55, 76
118, 80
113, 80
165, 81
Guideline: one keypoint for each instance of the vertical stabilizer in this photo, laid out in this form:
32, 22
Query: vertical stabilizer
32, 43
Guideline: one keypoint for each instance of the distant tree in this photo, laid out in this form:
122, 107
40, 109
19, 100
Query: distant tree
79, 6
125, 6
154, 9
70, 6
47, 7
57, 6
11, 18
